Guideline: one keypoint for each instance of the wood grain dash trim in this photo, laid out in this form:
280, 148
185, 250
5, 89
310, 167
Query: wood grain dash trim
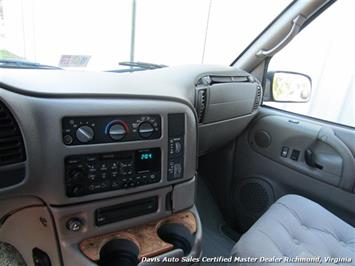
144, 236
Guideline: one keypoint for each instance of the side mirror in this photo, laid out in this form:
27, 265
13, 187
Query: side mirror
289, 87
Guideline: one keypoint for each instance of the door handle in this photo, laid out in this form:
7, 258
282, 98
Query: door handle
347, 181
311, 160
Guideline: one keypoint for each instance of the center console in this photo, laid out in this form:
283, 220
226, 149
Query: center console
128, 175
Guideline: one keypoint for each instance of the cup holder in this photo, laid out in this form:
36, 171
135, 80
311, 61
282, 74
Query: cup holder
127, 246
121, 252
178, 235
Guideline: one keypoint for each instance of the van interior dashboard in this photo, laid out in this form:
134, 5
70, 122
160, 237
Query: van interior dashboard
91, 161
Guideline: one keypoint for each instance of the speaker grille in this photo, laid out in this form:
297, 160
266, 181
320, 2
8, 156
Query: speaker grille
11, 143
254, 197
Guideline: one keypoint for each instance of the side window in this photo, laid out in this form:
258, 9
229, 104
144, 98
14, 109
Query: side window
324, 51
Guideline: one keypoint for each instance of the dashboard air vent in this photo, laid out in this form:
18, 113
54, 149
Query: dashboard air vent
201, 104
11, 143
229, 79
257, 98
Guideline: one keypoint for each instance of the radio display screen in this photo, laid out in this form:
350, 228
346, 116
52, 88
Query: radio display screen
147, 160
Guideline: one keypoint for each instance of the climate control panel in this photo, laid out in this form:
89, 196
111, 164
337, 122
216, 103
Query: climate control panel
109, 129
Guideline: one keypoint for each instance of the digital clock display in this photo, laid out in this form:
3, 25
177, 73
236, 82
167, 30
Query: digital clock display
147, 156
147, 160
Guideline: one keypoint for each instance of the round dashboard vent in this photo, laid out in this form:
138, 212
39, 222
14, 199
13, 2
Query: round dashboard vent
11, 142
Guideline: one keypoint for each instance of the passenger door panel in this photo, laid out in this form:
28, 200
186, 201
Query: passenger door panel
262, 175
309, 148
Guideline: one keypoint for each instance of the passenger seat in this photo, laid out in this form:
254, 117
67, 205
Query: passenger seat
297, 227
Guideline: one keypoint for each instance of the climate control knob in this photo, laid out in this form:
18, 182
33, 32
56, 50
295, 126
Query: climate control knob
85, 134
145, 130
117, 131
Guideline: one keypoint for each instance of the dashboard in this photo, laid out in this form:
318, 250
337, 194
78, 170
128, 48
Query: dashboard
88, 144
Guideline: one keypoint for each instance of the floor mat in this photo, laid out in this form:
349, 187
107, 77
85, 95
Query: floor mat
214, 243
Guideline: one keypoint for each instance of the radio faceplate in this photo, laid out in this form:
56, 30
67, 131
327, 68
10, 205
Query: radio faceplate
94, 173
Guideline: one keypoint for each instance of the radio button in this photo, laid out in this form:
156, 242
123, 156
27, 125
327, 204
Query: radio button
115, 184
105, 185
114, 175
73, 161
103, 166
104, 175
77, 175
91, 158
114, 166
77, 190
92, 177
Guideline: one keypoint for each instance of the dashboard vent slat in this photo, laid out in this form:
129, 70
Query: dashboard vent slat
257, 98
228, 79
201, 104
11, 143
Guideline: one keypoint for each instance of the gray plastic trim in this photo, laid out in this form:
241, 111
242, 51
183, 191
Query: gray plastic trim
215, 135
40, 120
183, 195
300, 135
29, 228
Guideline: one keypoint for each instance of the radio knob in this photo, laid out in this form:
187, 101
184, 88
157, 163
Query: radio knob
117, 131
77, 175
145, 130
85, 134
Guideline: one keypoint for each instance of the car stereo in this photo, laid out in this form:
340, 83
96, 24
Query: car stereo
94, 173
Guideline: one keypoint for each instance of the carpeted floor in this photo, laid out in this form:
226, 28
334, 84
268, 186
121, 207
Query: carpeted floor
214, 242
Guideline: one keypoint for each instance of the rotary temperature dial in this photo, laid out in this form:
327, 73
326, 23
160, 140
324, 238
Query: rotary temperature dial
145, 130
117, 131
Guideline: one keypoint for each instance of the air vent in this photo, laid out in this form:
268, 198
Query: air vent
201, 104
211, 80
257, 98
230, 79
11, 142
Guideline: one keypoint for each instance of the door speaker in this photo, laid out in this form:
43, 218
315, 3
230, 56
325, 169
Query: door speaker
262, 138
252, 197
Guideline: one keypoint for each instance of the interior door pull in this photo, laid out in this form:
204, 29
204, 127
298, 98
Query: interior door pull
328, 136
297, 23
310, 159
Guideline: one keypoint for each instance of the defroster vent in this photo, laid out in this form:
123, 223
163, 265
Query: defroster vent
11, 143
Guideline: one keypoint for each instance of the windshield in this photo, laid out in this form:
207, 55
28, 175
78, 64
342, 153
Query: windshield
97, 35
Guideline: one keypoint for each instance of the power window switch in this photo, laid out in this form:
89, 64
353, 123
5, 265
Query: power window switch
284, 151
295, 155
